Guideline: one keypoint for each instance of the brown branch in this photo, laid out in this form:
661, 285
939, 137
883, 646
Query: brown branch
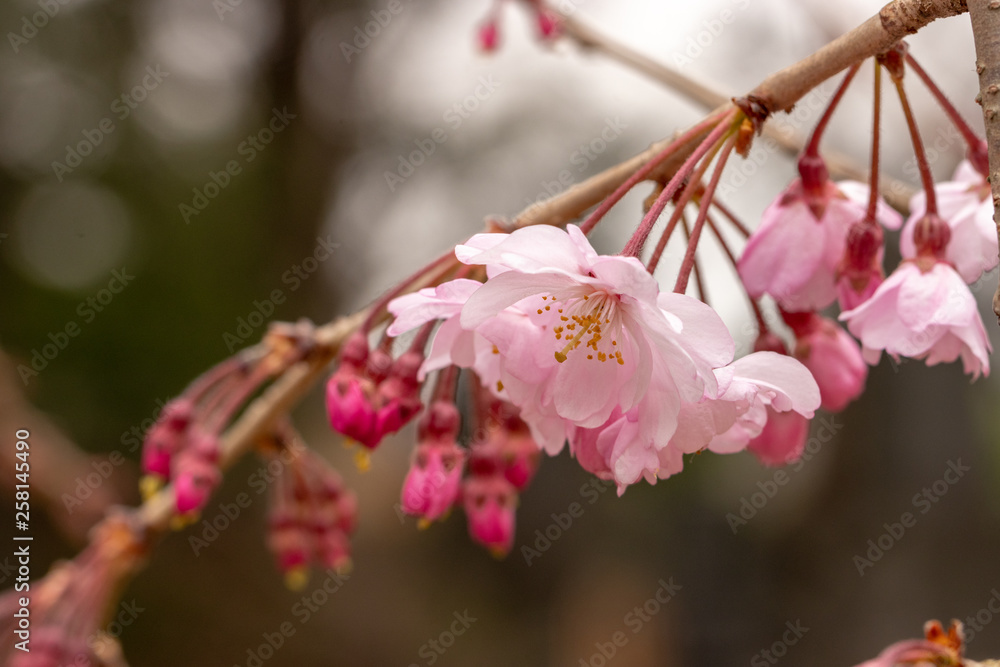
778, 92
781, 90
985, 15
896, 192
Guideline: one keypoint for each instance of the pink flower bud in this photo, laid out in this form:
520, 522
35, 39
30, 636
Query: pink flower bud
488, 36
548, 24
834, 359
196, 475
433, 482
489, 504
165, 438
397, 399
782, 440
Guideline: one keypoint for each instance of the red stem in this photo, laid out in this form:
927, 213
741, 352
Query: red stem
873, 195
638, 240
587, 225
918, 149
699, 286
699, 223
732, 218
971, 138
762, 325
693, 184
812, 148
379, 306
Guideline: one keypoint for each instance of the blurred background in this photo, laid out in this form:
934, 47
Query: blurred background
167, 166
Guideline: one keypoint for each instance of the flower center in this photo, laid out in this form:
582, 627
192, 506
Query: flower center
584, 320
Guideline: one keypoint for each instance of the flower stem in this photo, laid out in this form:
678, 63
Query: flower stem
918, 149
693, 185
974, 141
699, 285
445, 263
699, 223
727, 212
754, 306
638, 240
719, 120
877, 113
812, 148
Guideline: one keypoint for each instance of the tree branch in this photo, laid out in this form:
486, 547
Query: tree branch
985, 15
778, 92
896, 192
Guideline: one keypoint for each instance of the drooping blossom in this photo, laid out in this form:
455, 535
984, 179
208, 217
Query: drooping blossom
452, 345
371, 395
860, 271
966, 204
196, 472
753, 390
312, 514
433, 481
775, 397
578, 335
796, 252
923, 310
831, 355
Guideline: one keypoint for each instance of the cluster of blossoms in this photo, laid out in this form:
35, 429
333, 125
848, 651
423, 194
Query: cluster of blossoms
566, 345
821, 242
311, 515
583, 350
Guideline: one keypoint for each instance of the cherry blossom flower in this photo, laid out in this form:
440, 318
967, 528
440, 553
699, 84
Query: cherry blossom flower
755, 389
794, 255
923, 310
452, 345
966, 205
773, 394
565, 320
832, 356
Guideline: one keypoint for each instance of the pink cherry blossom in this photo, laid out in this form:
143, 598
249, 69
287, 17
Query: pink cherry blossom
782, 439
582, 321
966, 205
753, 387
763, 385
795, 257
923, 310
833, 358
452, 345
